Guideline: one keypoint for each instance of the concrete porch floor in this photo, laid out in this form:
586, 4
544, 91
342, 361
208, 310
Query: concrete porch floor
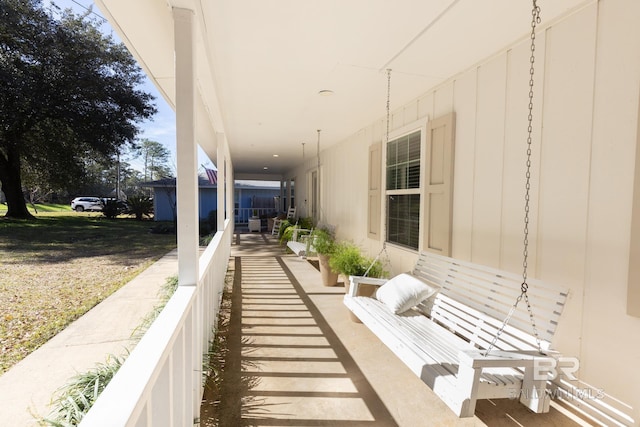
308, 364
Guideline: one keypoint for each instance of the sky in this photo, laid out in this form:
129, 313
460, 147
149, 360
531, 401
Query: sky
162, 127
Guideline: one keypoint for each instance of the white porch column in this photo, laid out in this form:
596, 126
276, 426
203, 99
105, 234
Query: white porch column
282, 207
222, 179
231, 187
187, 155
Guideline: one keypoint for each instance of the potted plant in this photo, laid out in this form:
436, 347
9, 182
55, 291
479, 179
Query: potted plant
324, 243
348, 260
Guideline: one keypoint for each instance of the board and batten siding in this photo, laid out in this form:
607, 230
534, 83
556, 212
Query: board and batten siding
585, 133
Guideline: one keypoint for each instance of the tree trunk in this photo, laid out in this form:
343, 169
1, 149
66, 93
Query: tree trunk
12, 185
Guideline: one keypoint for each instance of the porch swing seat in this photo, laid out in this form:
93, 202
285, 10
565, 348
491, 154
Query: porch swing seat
442, 338
301, 242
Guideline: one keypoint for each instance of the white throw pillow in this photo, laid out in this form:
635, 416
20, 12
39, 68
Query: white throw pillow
402, 292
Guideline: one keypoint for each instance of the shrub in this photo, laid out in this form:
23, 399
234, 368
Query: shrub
77, 397
74, 400
140, 206
347, 259
212, 220
284, 235
112, 208
305, 223
323, 241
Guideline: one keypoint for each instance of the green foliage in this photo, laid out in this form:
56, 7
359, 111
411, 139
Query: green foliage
323, 241
209, 226
70, 97
305, 223
156, 159
205, 240
112, 208
348, 259
164, 294
140, 206
76, 398
283, 235
212, 219
286, 228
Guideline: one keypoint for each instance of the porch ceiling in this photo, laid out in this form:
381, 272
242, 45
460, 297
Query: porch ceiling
262, 63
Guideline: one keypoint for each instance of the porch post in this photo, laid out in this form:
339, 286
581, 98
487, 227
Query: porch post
222, 182
186, 158
228, 167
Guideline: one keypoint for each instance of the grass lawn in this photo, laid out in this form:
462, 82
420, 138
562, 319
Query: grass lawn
56, 268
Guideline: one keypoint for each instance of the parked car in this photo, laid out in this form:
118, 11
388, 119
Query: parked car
81, 204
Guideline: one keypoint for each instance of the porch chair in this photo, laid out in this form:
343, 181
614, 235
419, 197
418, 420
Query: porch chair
291, 213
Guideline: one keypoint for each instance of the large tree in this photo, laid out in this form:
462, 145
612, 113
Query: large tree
156, 159
69, 96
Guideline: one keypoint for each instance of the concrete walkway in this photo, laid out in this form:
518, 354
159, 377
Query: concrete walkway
27, 388
295, 358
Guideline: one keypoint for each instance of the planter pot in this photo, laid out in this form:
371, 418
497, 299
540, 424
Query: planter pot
364, 290
329, 277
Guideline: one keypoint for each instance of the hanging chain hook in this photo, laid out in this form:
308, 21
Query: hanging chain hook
388, 101
384, 237
535, 20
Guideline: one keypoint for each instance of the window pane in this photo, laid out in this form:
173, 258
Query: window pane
403, 162
391, 153
403, 150
413, 175
403, 219
391, 178
414, 146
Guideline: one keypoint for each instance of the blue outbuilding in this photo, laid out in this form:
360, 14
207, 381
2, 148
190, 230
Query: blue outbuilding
261, 200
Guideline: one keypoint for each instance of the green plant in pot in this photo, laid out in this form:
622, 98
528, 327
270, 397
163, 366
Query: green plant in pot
286, 232
325, 244
348, 260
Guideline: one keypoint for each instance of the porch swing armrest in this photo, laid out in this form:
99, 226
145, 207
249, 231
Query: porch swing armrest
355, 282
503, 359
535, 369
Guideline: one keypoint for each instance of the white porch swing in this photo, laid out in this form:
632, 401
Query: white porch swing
455, 324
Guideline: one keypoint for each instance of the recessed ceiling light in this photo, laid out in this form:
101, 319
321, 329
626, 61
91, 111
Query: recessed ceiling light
276, 155
325, 92
265, 168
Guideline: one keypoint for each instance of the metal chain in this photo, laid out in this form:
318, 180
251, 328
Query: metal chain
388, 100
384, 231
384, 237
535, 20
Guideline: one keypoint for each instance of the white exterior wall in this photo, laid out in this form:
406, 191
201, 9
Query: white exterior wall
587, 85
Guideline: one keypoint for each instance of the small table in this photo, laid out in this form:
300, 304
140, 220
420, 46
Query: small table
254, 224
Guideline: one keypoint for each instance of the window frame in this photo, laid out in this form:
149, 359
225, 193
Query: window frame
416, 126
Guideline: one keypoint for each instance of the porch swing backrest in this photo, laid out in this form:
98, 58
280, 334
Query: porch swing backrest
474, 299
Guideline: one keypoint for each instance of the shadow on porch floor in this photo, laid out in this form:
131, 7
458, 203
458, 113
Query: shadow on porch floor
296, 359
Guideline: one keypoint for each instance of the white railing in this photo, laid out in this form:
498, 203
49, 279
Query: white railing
242, 215
161, 382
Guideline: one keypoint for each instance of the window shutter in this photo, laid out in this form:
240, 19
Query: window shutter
439, 185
